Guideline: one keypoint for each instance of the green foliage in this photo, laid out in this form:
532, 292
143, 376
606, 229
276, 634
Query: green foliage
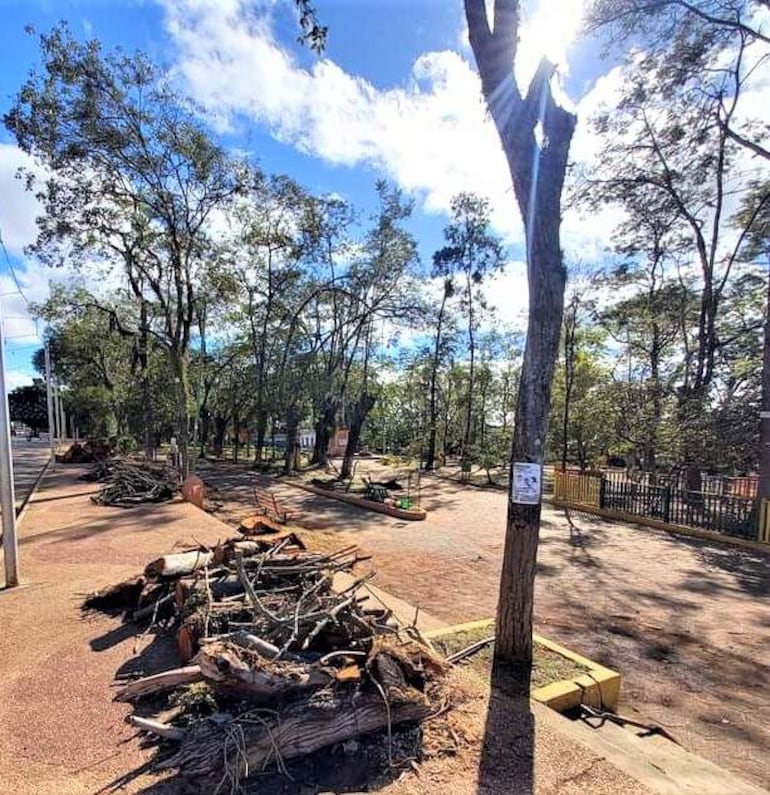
28, 404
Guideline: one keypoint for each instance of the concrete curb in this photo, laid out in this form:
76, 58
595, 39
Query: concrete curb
599, 688
22, 509
656, 524
367, 505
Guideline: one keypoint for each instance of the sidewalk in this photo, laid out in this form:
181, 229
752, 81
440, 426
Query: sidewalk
62, 733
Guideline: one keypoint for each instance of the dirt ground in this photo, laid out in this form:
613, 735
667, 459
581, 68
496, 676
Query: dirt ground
686, 621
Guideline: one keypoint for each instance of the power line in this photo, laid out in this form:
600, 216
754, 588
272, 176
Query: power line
12, 269
16, 281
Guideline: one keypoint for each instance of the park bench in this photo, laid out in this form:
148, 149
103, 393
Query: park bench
268, 505
376, 492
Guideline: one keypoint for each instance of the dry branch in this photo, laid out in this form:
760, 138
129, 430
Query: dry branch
156, 683
285, 664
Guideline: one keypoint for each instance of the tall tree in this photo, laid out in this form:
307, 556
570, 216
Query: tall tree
383, 288
688, 40
472, 252
439, 351
132, 179
667, 160
537, 172
757, 250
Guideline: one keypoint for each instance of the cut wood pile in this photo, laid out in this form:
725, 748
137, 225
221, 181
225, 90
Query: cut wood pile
277, 663
87, 453
128, 482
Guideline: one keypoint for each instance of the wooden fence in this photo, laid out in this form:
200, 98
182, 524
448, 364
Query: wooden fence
578, 489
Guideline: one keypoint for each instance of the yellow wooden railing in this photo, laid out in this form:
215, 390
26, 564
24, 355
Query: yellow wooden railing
579, 489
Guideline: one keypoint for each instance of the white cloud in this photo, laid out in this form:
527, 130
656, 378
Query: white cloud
432, 135
18, 211
16, 378
506, 291
19, 206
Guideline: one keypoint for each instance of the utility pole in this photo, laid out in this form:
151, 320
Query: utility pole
62, 422
49, 401
7, 496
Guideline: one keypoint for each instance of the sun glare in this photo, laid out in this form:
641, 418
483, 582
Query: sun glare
549, 28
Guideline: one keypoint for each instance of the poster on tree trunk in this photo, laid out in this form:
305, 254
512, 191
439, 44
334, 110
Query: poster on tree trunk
525, 484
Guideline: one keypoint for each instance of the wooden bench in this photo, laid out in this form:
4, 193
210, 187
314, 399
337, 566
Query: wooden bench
268, 505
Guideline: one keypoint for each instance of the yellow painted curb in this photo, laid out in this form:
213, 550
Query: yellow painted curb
599, 687
656, 524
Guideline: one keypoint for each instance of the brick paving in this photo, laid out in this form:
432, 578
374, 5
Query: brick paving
686, 621
62, 733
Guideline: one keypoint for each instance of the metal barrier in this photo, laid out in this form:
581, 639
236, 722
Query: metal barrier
727, 514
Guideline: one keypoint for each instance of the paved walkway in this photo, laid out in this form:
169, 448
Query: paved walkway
61, 733
686, 621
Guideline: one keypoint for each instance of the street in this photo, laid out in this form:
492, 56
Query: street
29, 458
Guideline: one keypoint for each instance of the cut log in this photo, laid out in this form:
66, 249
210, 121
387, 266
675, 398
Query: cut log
250, 641
179, 564
156, 683
297, 731
227, 666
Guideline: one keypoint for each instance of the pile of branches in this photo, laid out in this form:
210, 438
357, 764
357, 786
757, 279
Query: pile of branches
278, 663
128, 483
88, 453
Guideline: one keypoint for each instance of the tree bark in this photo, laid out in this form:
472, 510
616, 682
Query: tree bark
182, 384
178, 564
324, 429
466, 451
537, 174
220, 428
292, 447
167, 680
570, 324
295, 731
361, 410
147, 421
764, 422
430, 458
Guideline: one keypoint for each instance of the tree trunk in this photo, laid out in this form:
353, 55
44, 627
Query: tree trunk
236, 435
292, 448
204, 425
465, 454
363, 406
182, 384
147, 420
430, 459
220, 428
538, 177
570, 323
295, 731
261, 432
324, 428
764, 422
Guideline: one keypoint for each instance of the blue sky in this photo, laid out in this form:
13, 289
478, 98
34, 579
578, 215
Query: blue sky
395, 95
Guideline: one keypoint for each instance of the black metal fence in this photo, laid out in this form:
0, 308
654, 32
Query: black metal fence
727, 514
